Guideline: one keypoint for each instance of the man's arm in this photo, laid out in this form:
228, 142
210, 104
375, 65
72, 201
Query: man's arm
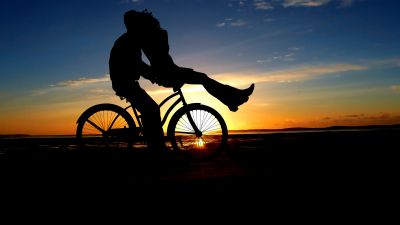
148, 73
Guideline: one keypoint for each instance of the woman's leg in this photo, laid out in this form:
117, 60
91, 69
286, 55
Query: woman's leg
230, 96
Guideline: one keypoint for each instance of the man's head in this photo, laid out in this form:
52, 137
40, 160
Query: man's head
140, 21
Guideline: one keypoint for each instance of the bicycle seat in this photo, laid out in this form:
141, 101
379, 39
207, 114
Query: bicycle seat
177, 87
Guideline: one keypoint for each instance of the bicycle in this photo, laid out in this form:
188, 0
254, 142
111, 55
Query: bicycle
196, 131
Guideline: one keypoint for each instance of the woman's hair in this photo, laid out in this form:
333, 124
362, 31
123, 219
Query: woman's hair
140, 20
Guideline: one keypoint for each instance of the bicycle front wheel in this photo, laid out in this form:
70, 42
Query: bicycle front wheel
105, 126
214, 133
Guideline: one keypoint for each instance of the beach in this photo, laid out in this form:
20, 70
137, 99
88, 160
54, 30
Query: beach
252, 163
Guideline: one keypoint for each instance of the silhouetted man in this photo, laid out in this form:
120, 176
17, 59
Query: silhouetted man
126, 66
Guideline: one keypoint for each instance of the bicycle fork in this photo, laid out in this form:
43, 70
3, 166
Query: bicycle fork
191, 121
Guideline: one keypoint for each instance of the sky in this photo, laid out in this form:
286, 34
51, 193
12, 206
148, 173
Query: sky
314, 63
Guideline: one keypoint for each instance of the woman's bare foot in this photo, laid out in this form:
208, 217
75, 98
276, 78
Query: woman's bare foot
242, 97
248, 91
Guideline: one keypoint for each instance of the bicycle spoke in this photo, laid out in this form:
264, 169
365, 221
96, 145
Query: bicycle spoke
215, 126
184, 126
184, 132
95, 126
204, 120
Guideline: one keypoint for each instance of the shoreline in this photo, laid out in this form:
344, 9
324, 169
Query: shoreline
242, 132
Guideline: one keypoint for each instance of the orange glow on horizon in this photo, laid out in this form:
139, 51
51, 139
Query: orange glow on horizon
258, 113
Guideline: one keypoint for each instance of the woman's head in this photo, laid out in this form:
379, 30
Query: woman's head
140, 21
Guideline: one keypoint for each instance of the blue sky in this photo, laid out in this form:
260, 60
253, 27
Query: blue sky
342, 54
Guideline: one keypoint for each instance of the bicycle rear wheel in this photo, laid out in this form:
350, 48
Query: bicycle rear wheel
105, 126
208, 121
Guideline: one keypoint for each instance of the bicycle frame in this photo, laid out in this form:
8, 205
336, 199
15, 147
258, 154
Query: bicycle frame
177, 91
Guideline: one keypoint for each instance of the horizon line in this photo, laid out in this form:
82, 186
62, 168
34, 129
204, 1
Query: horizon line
240, 130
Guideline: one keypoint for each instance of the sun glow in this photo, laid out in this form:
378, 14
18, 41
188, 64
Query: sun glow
200, 142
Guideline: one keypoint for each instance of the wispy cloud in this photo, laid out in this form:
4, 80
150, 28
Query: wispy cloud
262, 5
288, 57
268, 20
272, 4
98, 85
389, 62
291, 75
396, 88
131, 1
238, 23
240, 3
285, 57
81, 82
238, 80
361, 119
304, 3
232, 23
294, 49
221, 24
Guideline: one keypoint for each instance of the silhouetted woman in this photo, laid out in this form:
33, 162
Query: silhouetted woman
154, 42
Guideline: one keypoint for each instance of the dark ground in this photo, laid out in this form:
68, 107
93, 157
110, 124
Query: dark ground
318, 163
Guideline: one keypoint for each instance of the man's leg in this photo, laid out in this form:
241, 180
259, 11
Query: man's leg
151, 119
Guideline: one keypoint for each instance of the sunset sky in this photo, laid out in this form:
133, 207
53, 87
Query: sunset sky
315, 63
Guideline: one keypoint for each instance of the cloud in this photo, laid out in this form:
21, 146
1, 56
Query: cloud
97, 84
80, 84
262, 5
304, 3
82, 81
389, 62
272, 4
294, 49
288, 57
238, 23
361, 119
268, 20
285, 57
240, 3
291, 75
131, 1
231, 23
395, 88
221, 24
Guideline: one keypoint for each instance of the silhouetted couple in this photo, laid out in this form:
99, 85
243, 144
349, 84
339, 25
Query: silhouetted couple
126, 66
